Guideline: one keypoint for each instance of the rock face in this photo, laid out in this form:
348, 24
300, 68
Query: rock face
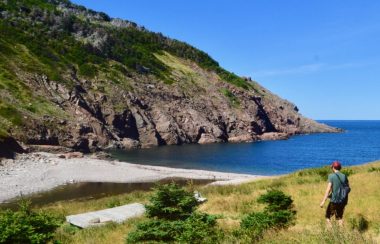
168, 94
164, 115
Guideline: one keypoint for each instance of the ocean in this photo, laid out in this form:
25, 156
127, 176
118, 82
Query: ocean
358, 144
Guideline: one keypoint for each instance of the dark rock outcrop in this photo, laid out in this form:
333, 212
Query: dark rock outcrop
9, 146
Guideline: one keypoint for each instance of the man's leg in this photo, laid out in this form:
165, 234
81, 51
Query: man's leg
339, 214
340, 222
328, 215
328, 223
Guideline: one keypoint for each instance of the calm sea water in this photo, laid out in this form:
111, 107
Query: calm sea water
360, 143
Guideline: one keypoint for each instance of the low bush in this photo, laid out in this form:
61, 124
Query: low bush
359, 223
87, 70
323, 172
277, 214
172, 218
276, 200
155, 230
348, 172
171, 202
256, 221
198, 228
27, 226
373, 169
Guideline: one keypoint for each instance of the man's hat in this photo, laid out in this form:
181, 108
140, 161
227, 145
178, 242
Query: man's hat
336, 165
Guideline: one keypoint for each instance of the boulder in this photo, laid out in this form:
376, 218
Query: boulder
128, 143
71, 155
207, 139
270, 136
241, 138
9, 147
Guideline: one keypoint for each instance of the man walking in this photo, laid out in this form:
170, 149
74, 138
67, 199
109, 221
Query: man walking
338, 201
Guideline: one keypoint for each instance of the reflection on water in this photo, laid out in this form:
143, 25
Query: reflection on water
93, 190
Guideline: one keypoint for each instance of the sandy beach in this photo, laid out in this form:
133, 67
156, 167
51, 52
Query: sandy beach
36, 172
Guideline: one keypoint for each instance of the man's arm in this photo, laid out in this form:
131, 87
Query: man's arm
327, 193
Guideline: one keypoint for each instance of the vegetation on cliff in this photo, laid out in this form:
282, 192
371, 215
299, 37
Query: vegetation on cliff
77, 78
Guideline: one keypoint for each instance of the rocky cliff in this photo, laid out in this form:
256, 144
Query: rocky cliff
77, 78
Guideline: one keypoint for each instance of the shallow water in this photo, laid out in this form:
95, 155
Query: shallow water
359, 143
93, 190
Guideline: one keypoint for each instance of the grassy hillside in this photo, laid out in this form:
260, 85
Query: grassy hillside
74, 77
78, 40
231, 203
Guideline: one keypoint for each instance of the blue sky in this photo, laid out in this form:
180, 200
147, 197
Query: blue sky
322, 55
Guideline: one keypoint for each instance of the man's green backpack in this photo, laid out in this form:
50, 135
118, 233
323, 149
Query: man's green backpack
342, 193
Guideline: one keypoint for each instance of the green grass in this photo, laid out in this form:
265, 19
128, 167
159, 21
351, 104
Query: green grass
10, 113
3, 133
234, 101
231, 203
234, 79
306, 188
129, 46
111, 233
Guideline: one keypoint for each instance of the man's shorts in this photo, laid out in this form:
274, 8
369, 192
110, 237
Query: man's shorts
335, 209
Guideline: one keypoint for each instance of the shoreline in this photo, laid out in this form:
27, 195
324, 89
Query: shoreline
39, 172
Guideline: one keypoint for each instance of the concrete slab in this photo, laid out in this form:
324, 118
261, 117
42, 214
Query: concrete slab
117, 214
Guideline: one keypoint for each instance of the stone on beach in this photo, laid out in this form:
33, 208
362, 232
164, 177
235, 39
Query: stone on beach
71, 155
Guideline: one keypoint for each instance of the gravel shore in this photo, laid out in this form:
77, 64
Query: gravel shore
36, 172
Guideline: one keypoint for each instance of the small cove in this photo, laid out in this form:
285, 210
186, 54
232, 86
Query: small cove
360, 143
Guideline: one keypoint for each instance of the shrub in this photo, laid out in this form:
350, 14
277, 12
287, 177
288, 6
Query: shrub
171, 202
373, 169
323, 172
276, 200
277, 214
155, 230
282, 218
348, 172
26, 226
198, 228
10, 113
172, 218
87, 70
258, 221
254, 224
359, 223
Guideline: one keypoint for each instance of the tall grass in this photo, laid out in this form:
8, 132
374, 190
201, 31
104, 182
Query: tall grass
306, 188
231, 203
